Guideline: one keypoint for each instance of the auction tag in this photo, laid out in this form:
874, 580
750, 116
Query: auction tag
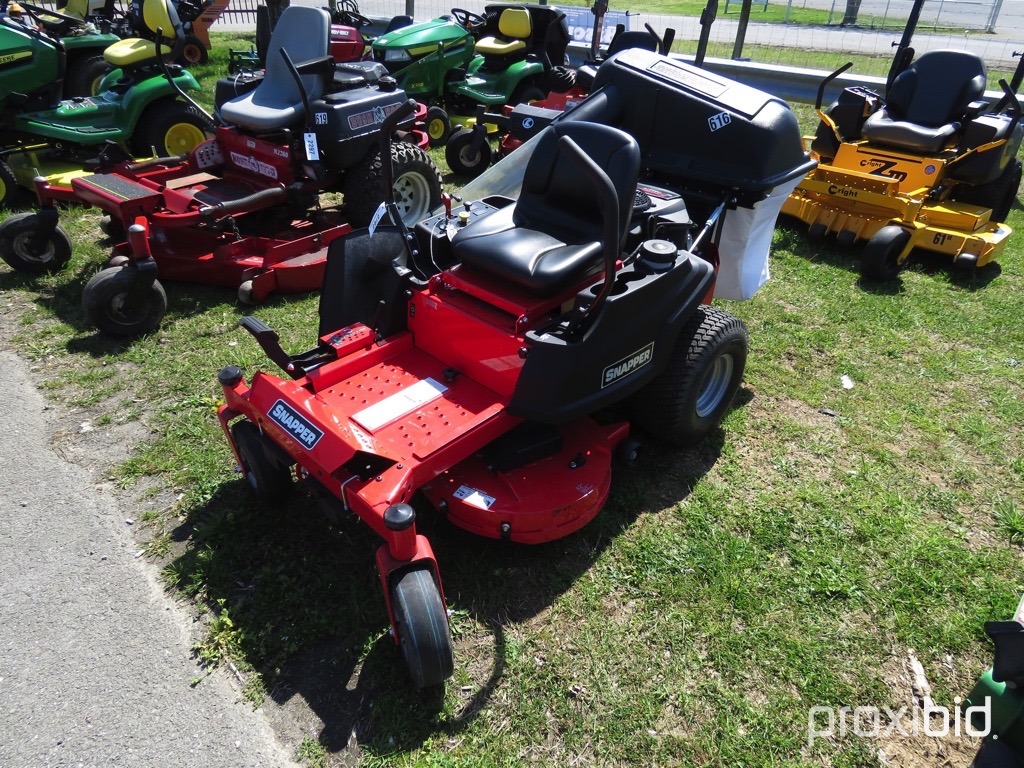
377, 216
312, 150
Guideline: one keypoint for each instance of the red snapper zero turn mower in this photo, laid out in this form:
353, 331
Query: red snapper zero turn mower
476, 357
242, 210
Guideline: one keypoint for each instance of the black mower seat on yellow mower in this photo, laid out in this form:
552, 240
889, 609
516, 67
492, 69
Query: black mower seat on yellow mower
276, 102
553, 235
134, 52
927, 102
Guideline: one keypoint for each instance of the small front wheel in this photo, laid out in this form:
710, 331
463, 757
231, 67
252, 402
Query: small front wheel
463, 158
120, 302
423, 632
881, 258
270, 480
112, 227
19, 247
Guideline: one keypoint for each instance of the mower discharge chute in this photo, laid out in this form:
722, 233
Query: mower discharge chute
242, 209
932, 166
476, 357
139, 107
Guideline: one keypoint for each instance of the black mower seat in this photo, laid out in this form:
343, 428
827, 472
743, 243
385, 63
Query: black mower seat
926, 102
277, 103
551, 237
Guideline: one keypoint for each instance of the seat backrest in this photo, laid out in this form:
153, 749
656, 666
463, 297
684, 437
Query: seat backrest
936, 88
77, 8
515, 23
558, 200
304, 33
162, 15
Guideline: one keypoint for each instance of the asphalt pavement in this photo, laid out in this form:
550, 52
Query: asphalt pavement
95, 665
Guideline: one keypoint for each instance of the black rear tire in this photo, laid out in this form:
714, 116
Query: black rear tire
269, 480
115, 303
83, 78
999, 194
423, 632
170, 128
880, 260
417, 185
686, 401
9, 189
525, 93
16, 235
439, 127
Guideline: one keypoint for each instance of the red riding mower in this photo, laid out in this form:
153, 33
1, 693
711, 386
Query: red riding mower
932, 167
475, 359
242, 209
346, 41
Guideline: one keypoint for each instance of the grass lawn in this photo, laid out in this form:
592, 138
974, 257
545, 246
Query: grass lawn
798, 558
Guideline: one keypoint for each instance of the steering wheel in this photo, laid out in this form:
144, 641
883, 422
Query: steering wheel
351, 19
468, 19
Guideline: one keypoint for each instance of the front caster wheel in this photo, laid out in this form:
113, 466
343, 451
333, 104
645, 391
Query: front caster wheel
881, 258
463, 158
422, 624
19, 249
112, 227
118, 302
683, 404
270, 480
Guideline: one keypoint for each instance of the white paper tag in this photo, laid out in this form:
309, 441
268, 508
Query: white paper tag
377, 216
312, 150
473, 497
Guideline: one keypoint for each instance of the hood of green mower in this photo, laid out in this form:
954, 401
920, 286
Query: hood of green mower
28, 60
420, 39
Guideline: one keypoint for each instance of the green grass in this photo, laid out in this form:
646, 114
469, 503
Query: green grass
792, 560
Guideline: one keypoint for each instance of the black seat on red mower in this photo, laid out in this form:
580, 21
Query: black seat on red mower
277, 103
927, 101
551, 237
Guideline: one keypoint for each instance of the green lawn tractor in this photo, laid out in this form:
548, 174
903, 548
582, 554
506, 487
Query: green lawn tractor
140, 109
83, 39
506, 56
995, 706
